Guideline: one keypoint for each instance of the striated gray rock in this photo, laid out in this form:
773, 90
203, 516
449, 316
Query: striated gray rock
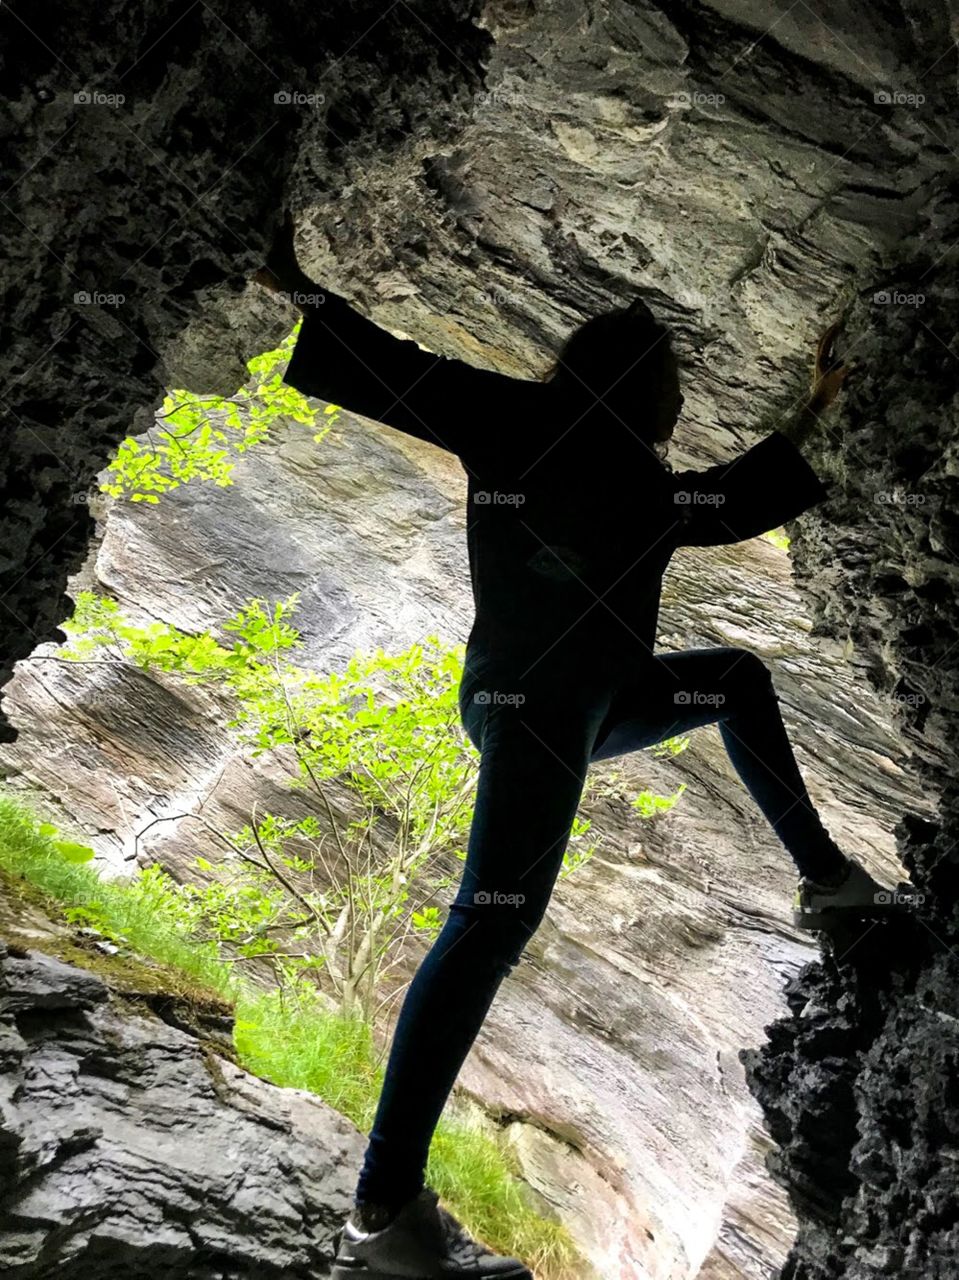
131, 1149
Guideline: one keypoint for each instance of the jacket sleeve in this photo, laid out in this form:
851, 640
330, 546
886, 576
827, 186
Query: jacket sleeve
761, 489
346, 359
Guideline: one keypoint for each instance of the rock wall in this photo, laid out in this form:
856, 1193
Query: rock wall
859, 1083
132, 1147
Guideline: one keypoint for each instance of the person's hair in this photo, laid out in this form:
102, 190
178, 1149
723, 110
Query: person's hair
619, 352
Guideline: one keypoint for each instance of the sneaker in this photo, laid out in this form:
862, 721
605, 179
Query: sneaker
422, 1242
816, 906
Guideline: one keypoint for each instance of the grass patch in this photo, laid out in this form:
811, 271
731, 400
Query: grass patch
292, 1041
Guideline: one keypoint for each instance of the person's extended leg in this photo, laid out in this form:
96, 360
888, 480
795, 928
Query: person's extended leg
534, 757
677, 692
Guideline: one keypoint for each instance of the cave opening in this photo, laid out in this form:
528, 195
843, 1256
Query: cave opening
227, 648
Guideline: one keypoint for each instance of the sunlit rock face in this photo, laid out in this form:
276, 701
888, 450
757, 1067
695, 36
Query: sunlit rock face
752, 173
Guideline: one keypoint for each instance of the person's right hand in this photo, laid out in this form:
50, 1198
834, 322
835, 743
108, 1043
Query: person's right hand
830, 371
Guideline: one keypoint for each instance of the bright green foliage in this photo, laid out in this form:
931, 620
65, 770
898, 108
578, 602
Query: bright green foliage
68, 850
466, 1164
147, 912
778, 538
311, 898
577, 854
198, 437
650, 804
314, 900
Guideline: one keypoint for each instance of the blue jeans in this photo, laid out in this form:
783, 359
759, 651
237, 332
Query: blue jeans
537, 732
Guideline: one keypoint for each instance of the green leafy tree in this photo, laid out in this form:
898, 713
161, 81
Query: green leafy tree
332, 901
199, 437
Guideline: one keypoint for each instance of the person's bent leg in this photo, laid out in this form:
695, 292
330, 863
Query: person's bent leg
532, 769
732, 687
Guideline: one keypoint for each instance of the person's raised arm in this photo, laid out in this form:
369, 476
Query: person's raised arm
768, 484
346, 359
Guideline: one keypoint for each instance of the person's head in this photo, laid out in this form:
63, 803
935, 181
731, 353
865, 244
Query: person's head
621, 363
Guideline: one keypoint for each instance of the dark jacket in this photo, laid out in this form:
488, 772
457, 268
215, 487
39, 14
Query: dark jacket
570, 525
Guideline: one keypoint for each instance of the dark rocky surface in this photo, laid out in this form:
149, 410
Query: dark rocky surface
130, 1148
859, 1084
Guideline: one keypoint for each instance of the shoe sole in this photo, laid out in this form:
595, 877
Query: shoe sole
359, 1271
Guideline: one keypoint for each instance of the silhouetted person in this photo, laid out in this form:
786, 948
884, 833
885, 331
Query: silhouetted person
573, 517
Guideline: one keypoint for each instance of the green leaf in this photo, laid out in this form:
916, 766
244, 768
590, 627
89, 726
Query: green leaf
71, 852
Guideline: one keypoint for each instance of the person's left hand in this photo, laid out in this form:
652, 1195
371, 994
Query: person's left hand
830, 371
